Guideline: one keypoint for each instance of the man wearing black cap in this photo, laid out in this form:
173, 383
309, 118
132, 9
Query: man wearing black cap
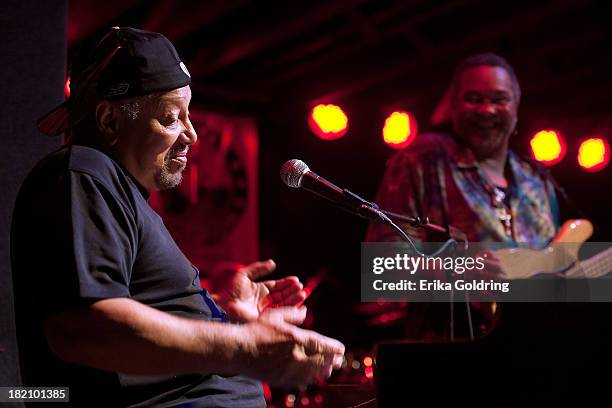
106, 303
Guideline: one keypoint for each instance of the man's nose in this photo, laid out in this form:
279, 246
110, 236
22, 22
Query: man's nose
486, 108
189, 134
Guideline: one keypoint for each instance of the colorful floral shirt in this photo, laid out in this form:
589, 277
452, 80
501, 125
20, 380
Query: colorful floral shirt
439, 179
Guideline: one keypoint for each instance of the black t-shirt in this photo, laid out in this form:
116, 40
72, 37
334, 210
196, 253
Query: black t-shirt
83, 231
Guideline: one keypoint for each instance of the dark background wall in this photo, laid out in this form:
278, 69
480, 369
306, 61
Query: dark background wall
33, 50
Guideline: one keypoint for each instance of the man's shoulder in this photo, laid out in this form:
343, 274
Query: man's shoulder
76, 158
89, 162
425, 148
80, 162
93, 162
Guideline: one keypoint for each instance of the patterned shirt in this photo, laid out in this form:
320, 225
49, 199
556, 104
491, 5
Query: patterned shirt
439, 179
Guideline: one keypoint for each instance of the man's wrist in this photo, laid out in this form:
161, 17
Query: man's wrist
233, 347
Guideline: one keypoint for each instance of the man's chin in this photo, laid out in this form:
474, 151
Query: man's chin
166, 180
485, 142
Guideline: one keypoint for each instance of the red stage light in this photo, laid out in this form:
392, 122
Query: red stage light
400, 130
594, 154
548, 147
289, 400
329, 122
369, 372
67, 87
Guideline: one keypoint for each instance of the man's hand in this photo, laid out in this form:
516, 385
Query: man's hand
282, 354
123, 335
235, 290
492, 267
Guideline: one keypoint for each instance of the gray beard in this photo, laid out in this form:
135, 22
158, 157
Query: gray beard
164, 178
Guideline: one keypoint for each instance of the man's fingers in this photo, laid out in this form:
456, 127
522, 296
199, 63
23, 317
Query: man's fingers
293, 300
490, 256
316, 368
284, 283
285, 286
315, 343
285, 292
257, 270
294, 315
325, 371
291, 315
338, 360
313, 356
277, 299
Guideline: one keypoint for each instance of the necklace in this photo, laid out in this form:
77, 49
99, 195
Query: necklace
503, 212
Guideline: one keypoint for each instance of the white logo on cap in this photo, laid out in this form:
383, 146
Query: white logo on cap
116, 90
184, 68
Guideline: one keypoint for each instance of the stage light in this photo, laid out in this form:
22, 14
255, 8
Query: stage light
367, 361
369, 372
594, 154
67, 87
548, 147
329, 122
399, 130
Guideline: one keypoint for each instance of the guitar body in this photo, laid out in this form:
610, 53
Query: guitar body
562, 254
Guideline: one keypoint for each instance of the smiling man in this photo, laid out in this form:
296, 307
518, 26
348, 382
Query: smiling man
466, 176
154, 140
106, 303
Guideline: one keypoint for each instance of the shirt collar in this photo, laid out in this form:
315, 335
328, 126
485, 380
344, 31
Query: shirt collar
465, 158
107, 152
143, 191
459, 154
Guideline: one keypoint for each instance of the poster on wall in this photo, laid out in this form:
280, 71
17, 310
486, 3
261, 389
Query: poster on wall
213, 213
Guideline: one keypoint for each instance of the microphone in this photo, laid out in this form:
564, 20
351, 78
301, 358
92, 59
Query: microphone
296, 174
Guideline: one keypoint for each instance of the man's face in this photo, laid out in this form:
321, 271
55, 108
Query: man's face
154, 146
484, 109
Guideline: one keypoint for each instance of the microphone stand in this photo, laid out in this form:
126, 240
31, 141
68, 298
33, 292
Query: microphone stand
418, 222
453, 234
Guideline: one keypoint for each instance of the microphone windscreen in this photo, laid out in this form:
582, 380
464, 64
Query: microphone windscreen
292, 172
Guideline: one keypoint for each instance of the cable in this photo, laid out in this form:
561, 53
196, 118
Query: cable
400, 231
442, 249
469, 315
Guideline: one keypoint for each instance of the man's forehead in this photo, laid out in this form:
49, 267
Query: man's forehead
485, 77
177, 95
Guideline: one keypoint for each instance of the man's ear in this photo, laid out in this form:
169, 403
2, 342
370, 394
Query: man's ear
107, 120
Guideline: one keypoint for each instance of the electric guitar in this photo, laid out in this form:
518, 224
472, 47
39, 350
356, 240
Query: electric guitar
560, 257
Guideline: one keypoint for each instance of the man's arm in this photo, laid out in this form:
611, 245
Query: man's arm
122, 335
398, 192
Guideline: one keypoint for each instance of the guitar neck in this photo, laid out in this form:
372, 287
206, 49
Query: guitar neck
594, 267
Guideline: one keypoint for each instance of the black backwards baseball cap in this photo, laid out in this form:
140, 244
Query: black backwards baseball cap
125, 62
